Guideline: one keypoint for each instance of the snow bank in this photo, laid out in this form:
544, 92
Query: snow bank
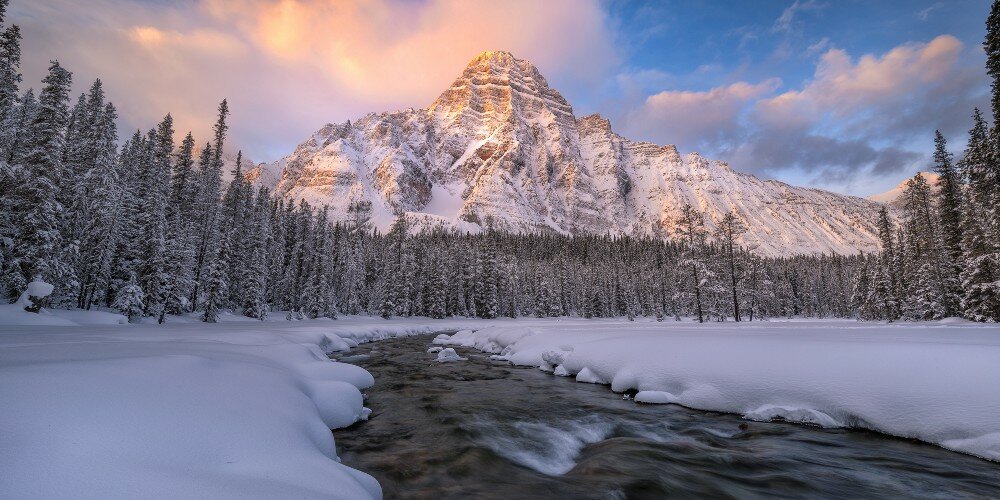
936, 382
36, 289
239, 410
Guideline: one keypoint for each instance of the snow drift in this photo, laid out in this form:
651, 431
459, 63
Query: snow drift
241, 409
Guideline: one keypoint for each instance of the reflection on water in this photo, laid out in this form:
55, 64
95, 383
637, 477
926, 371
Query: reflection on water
481, 428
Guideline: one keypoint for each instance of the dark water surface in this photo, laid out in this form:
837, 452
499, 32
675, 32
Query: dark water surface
484, 429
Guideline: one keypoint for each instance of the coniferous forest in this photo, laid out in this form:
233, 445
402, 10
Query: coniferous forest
148, 228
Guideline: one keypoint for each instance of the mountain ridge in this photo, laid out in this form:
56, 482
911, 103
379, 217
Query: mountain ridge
500, 148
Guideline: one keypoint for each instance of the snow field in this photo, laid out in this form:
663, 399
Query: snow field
936, 382
240, 409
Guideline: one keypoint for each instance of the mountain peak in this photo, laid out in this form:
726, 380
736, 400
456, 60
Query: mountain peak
498, 56
500, 62
496, 82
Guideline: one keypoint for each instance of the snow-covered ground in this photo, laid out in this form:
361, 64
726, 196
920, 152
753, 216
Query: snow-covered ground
243, 408
239, 409
937, 382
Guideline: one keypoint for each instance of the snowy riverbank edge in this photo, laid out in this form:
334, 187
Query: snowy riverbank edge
935, 382
238, 409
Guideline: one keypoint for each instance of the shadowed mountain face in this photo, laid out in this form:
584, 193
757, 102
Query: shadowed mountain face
500, 148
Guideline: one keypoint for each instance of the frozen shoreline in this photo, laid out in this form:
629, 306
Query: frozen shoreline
244, 408
934, 382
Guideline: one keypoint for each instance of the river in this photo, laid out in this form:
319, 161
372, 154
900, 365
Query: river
482, 428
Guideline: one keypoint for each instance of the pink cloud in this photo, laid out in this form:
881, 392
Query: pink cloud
845, 88
689, 118
290, 66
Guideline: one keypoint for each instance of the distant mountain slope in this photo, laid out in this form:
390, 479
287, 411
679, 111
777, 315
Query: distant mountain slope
894, 196
501, 148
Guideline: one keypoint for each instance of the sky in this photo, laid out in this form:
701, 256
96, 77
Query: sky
837, 94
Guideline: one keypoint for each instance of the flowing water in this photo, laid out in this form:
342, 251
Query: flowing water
484, 429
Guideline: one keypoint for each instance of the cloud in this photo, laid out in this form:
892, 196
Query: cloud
923, 15
785, 23
696, 118
853, 116
289, 66
820, 46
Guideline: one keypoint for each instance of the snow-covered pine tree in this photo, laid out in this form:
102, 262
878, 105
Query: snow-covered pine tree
254, 297
487, 300
155, 281
103, 224
926, 296
730, 228
437, 296
216, 286
980, 299
949, 207
16, 133
949, 203
889, 294
183, 186
206, 223
38, 239
129, 300
254, 303
691, 229
991, 45
207, 208
11, 175
10, 69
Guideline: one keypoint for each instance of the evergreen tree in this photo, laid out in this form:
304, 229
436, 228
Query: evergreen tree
10, 74
980, 299
730, 228
949, 207
927, 296
16, 133
182, 185
38, 235
217, 286
156, 282
991, 45
691, 228
103, 222
129, 300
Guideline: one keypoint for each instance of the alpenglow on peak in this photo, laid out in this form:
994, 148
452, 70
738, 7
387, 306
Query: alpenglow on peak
501, 149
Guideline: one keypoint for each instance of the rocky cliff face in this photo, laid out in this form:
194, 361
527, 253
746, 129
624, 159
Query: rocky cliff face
500, 148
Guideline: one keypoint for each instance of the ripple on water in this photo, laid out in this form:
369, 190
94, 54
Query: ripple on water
546, 447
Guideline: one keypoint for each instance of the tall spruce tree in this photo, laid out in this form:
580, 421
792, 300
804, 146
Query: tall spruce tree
691, 229
730, 228
38, 234
991, 45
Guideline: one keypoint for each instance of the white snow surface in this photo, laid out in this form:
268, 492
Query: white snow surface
239, 409
448, 355
936, 382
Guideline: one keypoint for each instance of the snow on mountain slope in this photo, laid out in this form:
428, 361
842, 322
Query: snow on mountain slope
894, 196
500, 148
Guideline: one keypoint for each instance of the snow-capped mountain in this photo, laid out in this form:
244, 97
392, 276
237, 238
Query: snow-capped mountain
500, 148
